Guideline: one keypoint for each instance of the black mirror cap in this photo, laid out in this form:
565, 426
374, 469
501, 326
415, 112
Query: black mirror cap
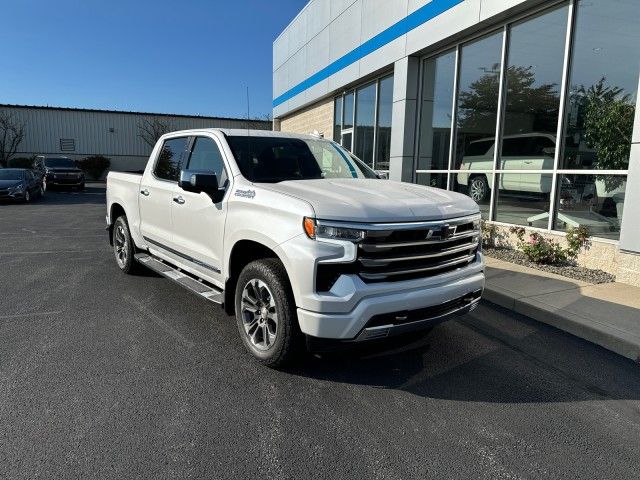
196, 182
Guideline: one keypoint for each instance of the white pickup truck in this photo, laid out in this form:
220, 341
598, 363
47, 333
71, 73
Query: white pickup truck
297, 237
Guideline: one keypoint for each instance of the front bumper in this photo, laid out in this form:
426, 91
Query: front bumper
462, 295
59, 181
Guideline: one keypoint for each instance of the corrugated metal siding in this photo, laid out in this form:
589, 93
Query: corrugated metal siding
90, 130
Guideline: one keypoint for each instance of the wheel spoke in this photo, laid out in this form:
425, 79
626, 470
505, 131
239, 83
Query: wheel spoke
259, 314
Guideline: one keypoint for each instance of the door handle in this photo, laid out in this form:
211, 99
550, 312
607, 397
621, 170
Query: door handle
145, 192
528, 161
179, 200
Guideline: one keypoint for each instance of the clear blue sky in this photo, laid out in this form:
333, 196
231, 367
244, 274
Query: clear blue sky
190, 56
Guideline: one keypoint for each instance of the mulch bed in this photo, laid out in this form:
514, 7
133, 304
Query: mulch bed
570, 271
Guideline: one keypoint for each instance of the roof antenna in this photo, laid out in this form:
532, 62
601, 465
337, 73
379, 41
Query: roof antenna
248, 130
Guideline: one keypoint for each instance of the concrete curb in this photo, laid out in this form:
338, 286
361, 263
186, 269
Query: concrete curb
607, 336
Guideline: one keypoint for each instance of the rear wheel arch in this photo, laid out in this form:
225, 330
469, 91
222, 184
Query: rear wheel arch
116, 210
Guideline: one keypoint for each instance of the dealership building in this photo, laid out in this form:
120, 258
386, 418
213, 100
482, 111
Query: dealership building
78, 133
527, 106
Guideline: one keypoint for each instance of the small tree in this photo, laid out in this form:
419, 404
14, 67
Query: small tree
11, 136
608, 127
95, 165
152, 128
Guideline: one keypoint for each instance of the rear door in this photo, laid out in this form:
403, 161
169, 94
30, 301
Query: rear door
198, 223
157, 189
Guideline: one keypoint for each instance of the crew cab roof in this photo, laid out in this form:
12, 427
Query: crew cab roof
243, 132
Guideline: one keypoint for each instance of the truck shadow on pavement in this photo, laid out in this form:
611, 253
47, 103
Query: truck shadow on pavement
472, 360
91, 195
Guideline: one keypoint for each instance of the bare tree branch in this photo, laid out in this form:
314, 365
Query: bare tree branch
152, 128
11, 136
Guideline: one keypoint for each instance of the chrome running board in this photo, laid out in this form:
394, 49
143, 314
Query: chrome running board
182, 278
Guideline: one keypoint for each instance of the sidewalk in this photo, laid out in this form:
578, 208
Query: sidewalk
606, 314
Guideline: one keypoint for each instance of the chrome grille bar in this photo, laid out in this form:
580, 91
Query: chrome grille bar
439, 266
378, 262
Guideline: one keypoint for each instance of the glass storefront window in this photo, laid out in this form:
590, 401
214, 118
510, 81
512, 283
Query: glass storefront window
347, 111
337, 119
365, 120
592, 201
523, 198
383, 132
478, 88
532, 91
435, 112
603, 85
438, 180
600, 90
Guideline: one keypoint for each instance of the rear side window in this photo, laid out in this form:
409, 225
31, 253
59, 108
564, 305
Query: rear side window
170, 159
206, 157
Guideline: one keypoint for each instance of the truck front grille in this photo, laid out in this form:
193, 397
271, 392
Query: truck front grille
394, 252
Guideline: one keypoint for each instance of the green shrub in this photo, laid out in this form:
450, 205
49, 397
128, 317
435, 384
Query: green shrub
20, 162
539, 249
94, 165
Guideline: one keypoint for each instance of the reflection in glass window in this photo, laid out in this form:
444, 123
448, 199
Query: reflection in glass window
478, 88
337, 119
169, 160
438, 180
592, 201
533, 79
383, 134
603, 85
435, 112
365, 119
523, 199
347, 111
206, 157
476, 185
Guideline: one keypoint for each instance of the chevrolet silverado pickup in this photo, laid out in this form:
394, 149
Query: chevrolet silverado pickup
298, 238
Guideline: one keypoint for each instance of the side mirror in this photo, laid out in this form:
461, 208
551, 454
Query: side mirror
197, 182
382, 175
549, 151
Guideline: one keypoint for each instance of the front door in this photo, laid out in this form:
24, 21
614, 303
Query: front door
157, 190
198, 223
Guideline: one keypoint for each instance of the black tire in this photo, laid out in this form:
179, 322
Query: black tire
273, 286
123, 246
81, 188
479, 188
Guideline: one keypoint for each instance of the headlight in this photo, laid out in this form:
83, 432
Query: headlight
331, 232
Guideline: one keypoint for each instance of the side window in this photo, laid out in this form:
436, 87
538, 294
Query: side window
169, 160
206, 157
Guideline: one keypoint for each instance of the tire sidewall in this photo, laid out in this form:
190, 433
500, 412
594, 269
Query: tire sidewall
270, 273
122, 222
485, 186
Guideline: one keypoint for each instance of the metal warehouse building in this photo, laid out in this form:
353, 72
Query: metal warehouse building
527, 106
78, 133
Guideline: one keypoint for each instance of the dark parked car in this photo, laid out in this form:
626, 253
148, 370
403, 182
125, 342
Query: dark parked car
19, 184
58, 171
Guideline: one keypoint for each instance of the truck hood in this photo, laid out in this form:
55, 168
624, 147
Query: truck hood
371, 200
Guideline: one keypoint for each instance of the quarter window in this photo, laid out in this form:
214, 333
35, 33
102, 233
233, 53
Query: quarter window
170, 159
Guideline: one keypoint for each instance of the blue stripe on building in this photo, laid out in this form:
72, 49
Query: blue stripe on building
414, 20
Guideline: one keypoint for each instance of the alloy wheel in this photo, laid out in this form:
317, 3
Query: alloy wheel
478, 189
121, 246
259, 314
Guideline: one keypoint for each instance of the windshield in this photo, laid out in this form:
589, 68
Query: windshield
59, 162
6, 174
276, 159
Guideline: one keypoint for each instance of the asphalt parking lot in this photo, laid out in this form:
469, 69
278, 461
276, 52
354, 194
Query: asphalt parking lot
104, 375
